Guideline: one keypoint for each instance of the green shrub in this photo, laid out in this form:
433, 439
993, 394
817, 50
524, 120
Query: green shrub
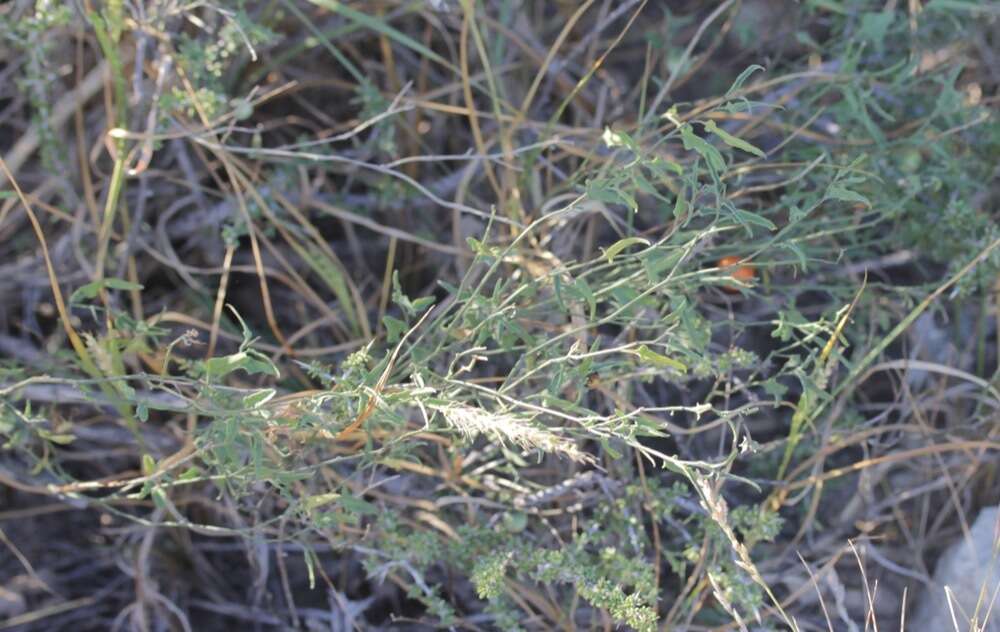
612, 417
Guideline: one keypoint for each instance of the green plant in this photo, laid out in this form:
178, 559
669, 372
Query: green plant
580, 356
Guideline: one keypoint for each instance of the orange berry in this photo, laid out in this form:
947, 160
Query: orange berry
745, 274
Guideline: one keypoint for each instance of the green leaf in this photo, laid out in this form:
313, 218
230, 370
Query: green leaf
746, 217
189, 474
249, 361
656, 261
258, 398
56, 437
622, 244
603, 192
659, 167
742, 79
624, 295
247, 335
422, 303
789, 321
356, 505
797, 213
478, 248
837, 192
858, 106
411, 307
659, 360
693, 142
643, 184
518, 331
159, 498
514, 521
394, 329
799, 254
680, 204
148, 465
92, 289
774, 388
613, 453
628, 199
257, 363
648, 427
875, 25
733, 141
314, 502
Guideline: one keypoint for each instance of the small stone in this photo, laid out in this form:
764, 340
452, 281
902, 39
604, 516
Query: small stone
969, 568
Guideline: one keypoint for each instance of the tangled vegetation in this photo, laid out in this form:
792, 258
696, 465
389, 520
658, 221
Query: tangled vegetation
493, 314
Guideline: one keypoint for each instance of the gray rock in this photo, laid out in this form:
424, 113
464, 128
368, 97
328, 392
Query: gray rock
967, 574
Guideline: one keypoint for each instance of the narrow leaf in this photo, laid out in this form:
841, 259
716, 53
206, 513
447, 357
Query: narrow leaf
742, 79
258, 398
837, 192
92, 289
733, 141
746, 217
659, 360
356, 505
693, 142
622, 244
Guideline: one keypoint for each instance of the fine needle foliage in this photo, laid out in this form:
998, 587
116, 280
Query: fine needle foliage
494, 314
